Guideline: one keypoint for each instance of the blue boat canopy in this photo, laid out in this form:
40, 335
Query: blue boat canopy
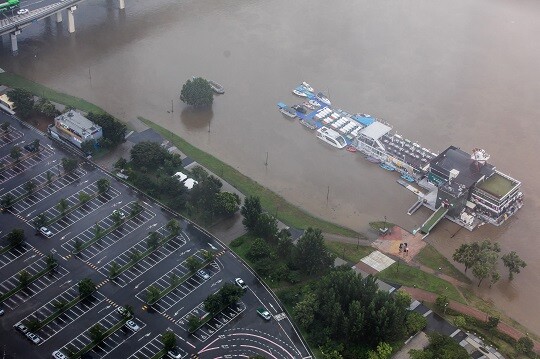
281, 105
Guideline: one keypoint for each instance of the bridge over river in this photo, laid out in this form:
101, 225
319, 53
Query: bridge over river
13, 21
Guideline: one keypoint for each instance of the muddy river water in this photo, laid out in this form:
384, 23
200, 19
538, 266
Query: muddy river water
456, 72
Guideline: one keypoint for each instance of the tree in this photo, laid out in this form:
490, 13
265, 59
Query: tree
153, 240
84, 197
383, 351
514, 264
266, 226
62, 206
60, 305
103, 185
40, 221
114, 131
203, 196
117, 218
415, 323
304, 311
77, 246
197, 93
51, 261
312, 256
493, 322
86, 287
15, 153
49, 176
213, 303
193, 323
442, 302
121, 164
97, 230
134, 256
169, 340
174, 280
285, 245
35, 145
46, 108
258, 250
69, 164
152, 294
227, 203
208, 255
29, 187
486, 264
192, 263
33, 324
173, 227
148, 155
88, 146
251, 210
128, 311
114, 270
5, 127
15, 237
495, 276
199, 173
97, 333
24, 102
440, 347
467, 254
460, 321
7, 201
524, 345
136, 208
24, 278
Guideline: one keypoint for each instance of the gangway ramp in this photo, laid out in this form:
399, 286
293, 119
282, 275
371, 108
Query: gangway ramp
415, 207
433, 219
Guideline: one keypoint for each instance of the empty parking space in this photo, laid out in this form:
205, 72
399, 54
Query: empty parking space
33, 288
44, 187
81, 210
28, 160
153, 347
106, 225
108, 344
9, 136
13, 254
215, 324
181, 291
145, 264
68, 316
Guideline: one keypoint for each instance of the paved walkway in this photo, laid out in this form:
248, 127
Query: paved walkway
422, 295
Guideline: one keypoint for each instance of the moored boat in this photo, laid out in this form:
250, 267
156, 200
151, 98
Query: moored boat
373, 159
331, 137
324, 99
351, 149
387, 167
216, 87
307, 86
286, 110
299, 93
407, 177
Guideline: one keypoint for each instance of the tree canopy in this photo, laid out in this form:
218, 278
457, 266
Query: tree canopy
197, 93
251, 210
147, 156
114, 131
440, 347
514, 264
312, 256
24, 102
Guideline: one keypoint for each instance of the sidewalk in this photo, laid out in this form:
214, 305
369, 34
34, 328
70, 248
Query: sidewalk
424, 296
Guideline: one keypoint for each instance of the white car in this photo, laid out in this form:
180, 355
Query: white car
202, 273
45, 231
132, 325
174, 354
22, 11
1, 311
58, 355
122, 214
21, 327
240, 282
33, 337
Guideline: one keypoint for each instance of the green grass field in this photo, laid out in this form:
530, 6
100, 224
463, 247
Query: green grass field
429, 257
348, 251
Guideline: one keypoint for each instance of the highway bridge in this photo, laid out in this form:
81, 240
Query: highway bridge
13, 21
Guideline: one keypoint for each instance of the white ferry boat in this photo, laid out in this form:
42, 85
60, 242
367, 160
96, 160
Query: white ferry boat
299, 93
307, 86
331, 137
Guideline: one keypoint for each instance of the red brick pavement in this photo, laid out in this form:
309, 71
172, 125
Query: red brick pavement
422, 295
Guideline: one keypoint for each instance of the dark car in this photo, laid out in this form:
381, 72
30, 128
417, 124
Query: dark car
31, 147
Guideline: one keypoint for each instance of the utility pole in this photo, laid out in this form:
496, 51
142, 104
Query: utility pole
90, 76
327, 194
172, 106
266, 162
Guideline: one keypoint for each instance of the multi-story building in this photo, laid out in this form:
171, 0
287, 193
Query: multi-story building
76, 128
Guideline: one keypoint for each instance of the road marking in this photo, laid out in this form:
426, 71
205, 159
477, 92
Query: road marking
83, 182
107, 307
64, 236
144, 336
270, 304
32, 256
178, 311
152, 226
67, 282
28, 215
216, 283
137, 286
101, 259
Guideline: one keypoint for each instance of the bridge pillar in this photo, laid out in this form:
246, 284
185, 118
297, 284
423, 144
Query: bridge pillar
14, 45
59, 16
71, 19
122, 4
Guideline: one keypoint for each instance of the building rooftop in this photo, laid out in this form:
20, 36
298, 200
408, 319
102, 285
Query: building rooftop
376, 130
78, 122
469, 171
497, 185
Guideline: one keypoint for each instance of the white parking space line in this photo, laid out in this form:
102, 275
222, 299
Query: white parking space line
28, 160
9, 136
15, 253
153, 347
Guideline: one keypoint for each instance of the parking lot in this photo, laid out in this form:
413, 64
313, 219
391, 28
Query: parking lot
106, 224
29, 160
153, 347
33, 288
145, 264
80, 212
110, 343
9, 136
44, 188
67, 317
112, 241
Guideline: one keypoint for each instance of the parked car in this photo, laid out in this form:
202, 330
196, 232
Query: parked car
46, 232
21, 327
174, 354
240, 282
22, 11
1, 311
264, 313
121, 310
31, 147
203, 274
33, 337
57, 354
132, 325
122, 214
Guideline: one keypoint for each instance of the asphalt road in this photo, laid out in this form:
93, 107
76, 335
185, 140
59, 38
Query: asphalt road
27, 4
238, 331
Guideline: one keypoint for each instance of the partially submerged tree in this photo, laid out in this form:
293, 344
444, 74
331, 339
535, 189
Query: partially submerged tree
514, 264
197, 92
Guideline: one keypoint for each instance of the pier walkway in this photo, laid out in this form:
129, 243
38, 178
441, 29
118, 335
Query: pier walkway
433, 220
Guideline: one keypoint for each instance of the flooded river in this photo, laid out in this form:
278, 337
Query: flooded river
441, 72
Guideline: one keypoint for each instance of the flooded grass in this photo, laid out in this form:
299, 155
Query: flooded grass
429, 257
348, 251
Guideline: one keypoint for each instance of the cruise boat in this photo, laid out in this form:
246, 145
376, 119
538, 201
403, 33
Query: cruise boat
299, 93
307, 86
324, 99
331, 137
286, 110
387, 167
216, 87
